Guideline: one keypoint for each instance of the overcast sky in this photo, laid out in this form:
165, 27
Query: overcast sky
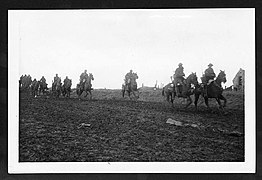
108, 43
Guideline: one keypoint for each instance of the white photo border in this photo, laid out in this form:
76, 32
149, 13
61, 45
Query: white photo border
14, 166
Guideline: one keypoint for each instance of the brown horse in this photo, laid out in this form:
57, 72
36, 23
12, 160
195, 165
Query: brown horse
131, 87
213, 90
85, 87
187, 90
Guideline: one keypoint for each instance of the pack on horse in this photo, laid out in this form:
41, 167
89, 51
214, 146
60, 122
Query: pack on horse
66, 88
185, 88
212, 89
35, 87
130, 87
86, 86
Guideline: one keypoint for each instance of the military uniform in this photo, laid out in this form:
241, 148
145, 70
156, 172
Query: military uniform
83, 76
66, 80
43, 79
179, 78
128, 77
209, 74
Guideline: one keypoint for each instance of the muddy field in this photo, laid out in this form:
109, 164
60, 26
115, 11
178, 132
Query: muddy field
116, 129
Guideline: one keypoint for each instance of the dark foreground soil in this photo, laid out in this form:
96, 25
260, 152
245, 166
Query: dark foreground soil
111, 128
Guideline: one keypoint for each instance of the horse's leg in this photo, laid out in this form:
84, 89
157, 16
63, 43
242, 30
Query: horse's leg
206, 102
190, 101
167, 97
219, 103
224, 99
90, 94
80, 93
196, 100
172, 100
134, 95
86, 93
138, 94
123, 92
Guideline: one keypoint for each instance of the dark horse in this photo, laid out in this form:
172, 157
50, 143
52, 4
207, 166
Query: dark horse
56, 88
130, 87
86, 86
66, 88
42, 87
214, 90
187, 90
34, 88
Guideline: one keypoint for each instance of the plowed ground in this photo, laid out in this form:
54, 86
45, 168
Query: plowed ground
116, 129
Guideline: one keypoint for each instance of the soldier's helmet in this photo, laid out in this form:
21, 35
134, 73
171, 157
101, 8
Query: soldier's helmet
180, 64
85, 71
210, 65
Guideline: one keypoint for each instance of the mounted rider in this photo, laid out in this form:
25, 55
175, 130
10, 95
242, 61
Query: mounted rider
34, 84
66, 80
43, 80
130, 76
83, 77
179, 78
43, 83
209, 74
57, 80
208, 77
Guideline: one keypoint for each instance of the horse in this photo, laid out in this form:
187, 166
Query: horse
187, 90
56, 88
34, 88
214, 90
66, 88
42, 87
130, 87
86, 86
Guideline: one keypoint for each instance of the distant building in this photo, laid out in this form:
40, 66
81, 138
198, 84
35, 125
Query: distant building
239, 80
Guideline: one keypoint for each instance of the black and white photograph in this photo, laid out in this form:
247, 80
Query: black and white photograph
131, 90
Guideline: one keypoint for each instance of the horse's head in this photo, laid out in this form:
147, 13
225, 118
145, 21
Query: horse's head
91, 76
222, 76
192, 78
135, 76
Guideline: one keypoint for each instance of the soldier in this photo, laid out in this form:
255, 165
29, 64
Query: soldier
209, 74
178, 77
66, 80
57, 80
43, 80
129, 76
83, 76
